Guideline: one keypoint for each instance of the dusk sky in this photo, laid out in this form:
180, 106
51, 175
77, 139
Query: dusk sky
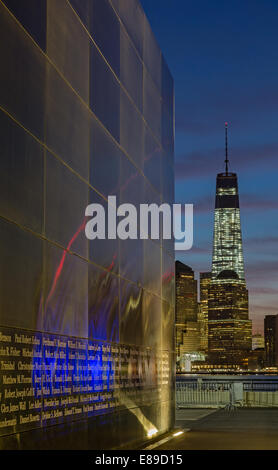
223, 56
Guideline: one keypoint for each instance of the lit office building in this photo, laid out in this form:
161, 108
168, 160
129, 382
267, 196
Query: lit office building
230, 335
230, 330
186, 294
86, 111
187, 327
190, 338
205, 279
257, 341
271, 340
257, 355
227, 240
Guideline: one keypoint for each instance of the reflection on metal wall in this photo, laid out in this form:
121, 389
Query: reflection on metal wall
86, 111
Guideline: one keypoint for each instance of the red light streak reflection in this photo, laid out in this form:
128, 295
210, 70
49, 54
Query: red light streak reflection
62, 261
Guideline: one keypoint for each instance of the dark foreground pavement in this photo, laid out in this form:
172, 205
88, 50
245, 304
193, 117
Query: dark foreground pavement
243, 429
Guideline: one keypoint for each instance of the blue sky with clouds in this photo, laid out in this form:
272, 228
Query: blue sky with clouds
223, 56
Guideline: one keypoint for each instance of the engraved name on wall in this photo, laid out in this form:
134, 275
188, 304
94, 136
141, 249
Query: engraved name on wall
48, 379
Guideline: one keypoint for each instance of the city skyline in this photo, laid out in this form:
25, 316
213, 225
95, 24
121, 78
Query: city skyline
229, 73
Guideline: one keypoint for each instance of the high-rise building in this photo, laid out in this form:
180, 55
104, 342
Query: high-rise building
186, 293
257, 355
271, 340
187, 328
227, 239
230, 332
205, 279
257, 341
229, 324
190, 338
86, 111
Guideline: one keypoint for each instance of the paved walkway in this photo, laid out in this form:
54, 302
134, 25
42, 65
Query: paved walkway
243, 429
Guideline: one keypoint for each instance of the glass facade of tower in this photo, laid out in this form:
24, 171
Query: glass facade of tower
86, 111
271, 340
227, 242
187, 328
230, 330
205, 279
229, 327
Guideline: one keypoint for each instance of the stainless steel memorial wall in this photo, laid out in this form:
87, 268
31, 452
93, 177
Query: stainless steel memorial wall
86, 327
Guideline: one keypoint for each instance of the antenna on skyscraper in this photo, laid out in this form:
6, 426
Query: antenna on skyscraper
226, 141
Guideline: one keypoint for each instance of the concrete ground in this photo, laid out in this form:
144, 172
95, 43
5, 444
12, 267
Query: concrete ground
242, 429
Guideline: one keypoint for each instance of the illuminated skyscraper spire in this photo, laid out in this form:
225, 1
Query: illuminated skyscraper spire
226, 141
227, 243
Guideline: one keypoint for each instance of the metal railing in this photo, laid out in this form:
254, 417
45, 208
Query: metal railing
209, 394
261, 399
249, 384
202, 395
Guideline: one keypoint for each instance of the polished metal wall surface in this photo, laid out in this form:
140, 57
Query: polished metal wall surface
86, 111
